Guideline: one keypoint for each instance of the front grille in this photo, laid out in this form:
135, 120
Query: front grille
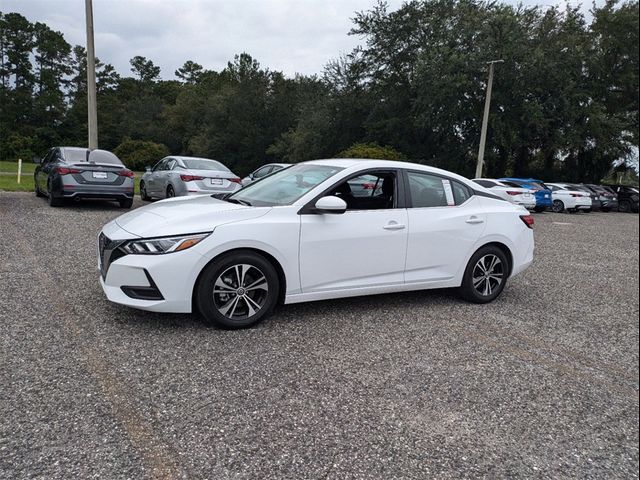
109, 252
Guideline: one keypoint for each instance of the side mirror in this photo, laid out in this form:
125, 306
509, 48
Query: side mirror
147, 168
36, 160
331, 205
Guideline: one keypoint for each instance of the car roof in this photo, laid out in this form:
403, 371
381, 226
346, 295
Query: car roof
352, 163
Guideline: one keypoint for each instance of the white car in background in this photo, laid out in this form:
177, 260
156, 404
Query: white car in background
566, 198
509, 191
303, 234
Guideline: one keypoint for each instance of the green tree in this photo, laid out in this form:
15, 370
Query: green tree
371, 150
138, 154
190, 72
145, 69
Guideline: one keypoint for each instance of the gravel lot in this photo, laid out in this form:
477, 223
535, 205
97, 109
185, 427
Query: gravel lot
542, 383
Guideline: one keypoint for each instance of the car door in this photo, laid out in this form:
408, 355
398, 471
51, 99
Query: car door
445, 221
152, 180
362, 247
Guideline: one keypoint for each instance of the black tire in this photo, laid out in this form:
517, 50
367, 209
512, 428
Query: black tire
624, 206
128, 203
587, 210
170, 192
539, 209
143, 192
573, 210
38, 192
223, 272
558, 206
474, 272
53, 201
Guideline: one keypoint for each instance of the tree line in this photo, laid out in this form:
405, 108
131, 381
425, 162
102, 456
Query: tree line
565, 100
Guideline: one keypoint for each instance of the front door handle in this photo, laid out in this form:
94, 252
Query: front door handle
393, 226
474, 220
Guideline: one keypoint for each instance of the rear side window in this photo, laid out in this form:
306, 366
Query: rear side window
433, 191
485, 183
460, 192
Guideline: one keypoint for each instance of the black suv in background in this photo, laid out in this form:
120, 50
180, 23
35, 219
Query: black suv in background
627, 198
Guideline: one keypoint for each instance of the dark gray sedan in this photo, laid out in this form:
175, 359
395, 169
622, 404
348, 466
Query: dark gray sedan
76, 173
179, 176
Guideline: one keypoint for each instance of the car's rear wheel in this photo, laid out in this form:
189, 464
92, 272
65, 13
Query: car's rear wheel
237, 290
485, 276
128, 203
170, 192
143, 192
558, 206
38, 192
624, 206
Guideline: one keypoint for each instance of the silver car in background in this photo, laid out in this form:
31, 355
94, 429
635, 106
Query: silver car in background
263, 171
180, 176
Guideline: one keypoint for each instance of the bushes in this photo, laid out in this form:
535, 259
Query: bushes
371, 150
137, 154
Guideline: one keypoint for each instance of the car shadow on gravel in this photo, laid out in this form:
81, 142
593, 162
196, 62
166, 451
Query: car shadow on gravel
311, 312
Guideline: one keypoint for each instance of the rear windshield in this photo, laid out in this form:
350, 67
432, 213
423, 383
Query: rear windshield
81, 155
204, 164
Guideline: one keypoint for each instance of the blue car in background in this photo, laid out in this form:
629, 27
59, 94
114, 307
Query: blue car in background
542, 193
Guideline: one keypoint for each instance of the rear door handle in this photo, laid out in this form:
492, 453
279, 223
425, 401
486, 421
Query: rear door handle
393, 226
474, 220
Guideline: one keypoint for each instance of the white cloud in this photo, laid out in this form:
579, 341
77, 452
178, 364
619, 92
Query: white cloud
294, 36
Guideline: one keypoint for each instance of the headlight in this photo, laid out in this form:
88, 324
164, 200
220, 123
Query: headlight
156, 246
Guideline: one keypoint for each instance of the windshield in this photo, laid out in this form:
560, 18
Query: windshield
284, 187
203, 164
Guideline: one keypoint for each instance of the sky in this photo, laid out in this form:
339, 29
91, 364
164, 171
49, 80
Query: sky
292, 36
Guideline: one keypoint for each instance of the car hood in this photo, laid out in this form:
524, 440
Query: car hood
180, 215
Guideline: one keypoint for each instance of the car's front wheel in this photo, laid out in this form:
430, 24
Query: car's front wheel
143, 192
237, 290
539, 209
485, 276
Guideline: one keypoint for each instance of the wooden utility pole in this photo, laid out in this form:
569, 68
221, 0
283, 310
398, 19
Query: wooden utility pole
485, 120
92, 107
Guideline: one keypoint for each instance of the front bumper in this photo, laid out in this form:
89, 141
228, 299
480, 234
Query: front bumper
157, 283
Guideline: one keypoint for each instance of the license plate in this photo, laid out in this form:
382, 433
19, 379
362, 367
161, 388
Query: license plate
215, 181
99, 174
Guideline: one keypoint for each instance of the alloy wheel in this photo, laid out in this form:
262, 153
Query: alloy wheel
488, 274
558, 206
240, 291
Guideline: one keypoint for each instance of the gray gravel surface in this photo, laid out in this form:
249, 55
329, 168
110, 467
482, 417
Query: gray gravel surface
543, 383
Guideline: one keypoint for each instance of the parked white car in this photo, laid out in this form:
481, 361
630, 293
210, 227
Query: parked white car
509, 191
566, 198
302, 234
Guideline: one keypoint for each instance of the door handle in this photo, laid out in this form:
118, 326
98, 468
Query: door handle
474, 220
393, 226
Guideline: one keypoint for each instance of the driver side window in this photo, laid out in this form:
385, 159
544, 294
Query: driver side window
160, 165
369, 191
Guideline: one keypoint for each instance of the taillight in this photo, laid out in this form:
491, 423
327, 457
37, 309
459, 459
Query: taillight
528, 220
190, 178
67, 171
235, 180
511, 192
126, 173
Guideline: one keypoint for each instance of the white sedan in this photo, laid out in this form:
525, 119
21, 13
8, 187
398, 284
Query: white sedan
566, 198
309, 233
509, 191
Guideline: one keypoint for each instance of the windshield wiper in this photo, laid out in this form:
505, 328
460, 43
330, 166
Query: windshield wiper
239, 202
